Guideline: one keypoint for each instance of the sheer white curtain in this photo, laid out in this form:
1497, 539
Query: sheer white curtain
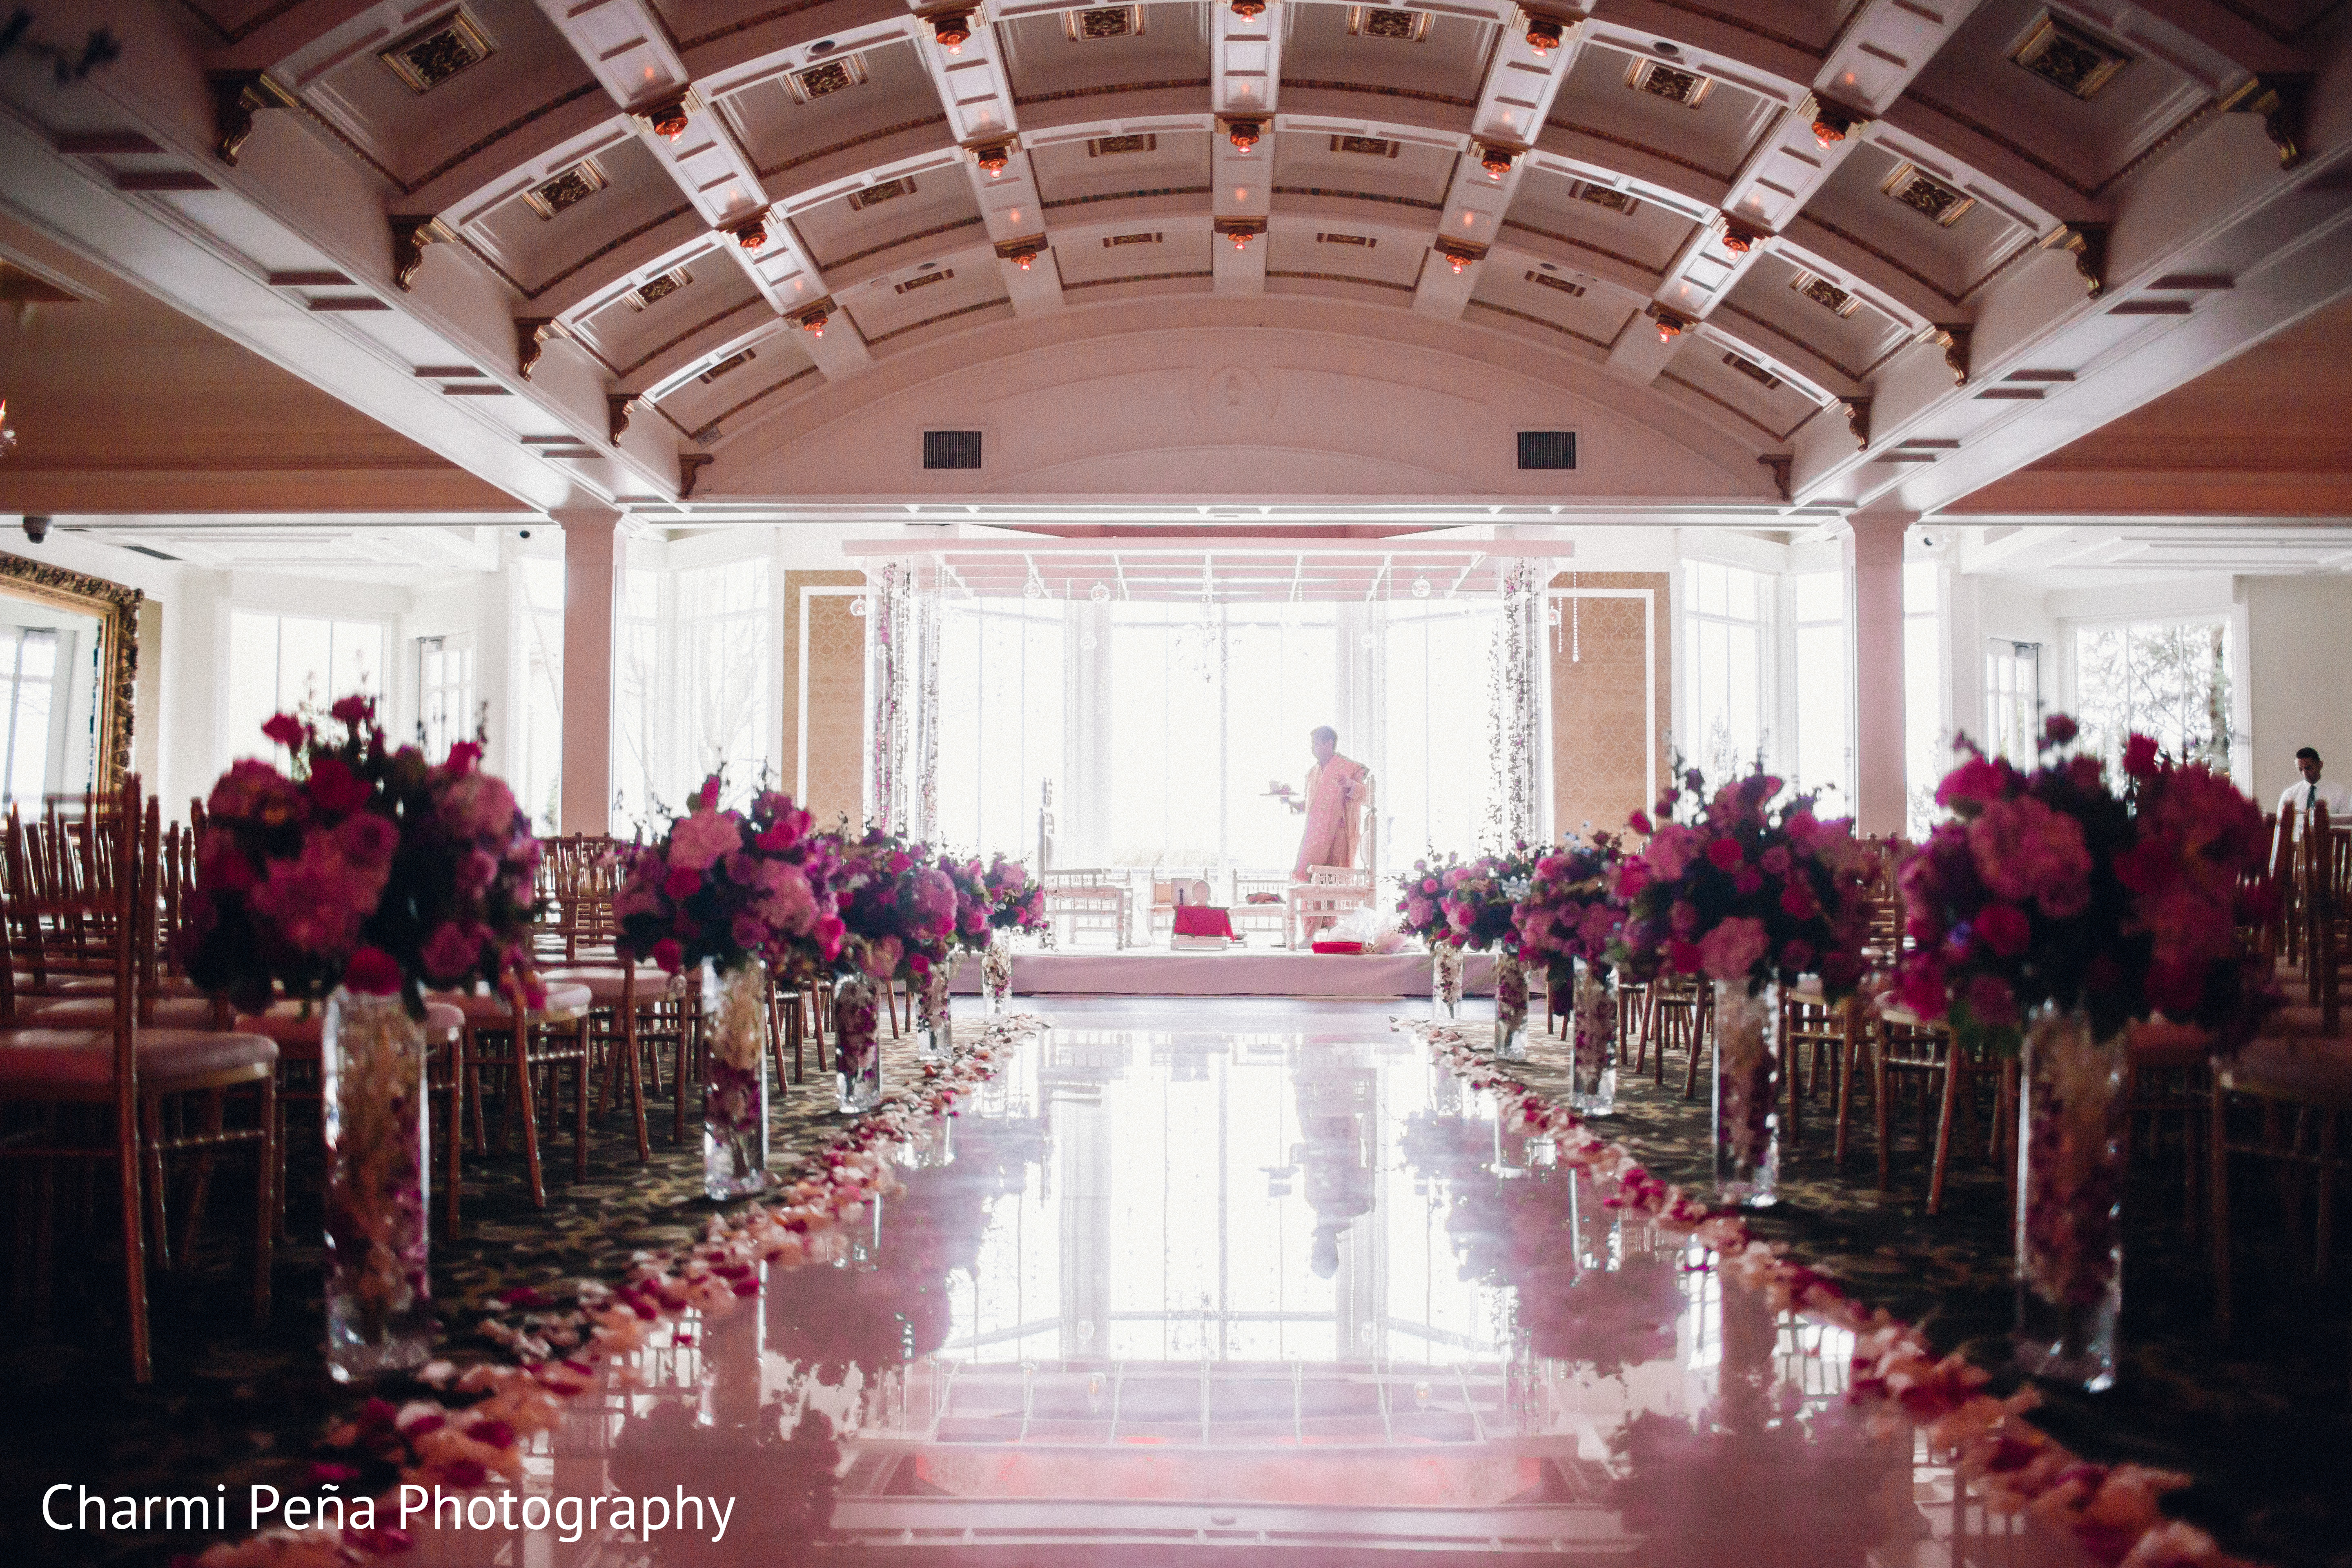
694, 678
999, 720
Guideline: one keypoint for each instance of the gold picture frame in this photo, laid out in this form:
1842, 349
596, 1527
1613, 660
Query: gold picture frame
115, 608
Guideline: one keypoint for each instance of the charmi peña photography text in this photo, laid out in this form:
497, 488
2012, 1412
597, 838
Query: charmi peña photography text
66, 1506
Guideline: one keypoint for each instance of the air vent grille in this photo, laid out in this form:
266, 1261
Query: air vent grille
1546, 448
951, 449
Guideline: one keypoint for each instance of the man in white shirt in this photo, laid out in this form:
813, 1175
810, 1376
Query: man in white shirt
2300, 798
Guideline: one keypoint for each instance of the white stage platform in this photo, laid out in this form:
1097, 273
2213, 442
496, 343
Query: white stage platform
1237, 972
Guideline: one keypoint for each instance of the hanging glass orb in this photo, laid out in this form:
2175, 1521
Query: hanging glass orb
858, 606
1098, 593
1088, 642
1369, 640
1421, 587
1033, 589
1552, 615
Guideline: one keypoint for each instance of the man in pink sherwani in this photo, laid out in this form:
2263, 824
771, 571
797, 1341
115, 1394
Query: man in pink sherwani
1334, 807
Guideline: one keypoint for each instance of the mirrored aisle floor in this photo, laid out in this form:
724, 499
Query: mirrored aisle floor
1182, 1290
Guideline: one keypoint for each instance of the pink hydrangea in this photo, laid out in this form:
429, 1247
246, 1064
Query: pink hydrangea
478, 806
1734, 947
2023, 849
697, 840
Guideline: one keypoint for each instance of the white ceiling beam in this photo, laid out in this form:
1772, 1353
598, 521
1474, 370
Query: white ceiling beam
1246, 58
976, 93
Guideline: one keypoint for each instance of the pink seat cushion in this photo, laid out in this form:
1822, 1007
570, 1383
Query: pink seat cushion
491, 1011
605, 984
103, 985
286, 1022
2305, 1070
97, 1013
35, 1059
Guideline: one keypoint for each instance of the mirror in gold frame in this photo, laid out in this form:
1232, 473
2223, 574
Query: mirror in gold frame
68, 662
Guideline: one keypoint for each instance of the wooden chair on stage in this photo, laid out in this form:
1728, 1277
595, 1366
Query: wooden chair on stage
1328, 893
1260, 904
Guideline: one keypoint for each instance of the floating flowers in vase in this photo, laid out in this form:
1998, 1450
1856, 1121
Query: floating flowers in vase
1750, 898
1421, 913
747, 896
1571, 916
2047, 914
899, 912
1016, 905
360, 875
1478, 902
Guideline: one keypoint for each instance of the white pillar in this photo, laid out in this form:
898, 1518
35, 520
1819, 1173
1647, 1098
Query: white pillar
590, 537
1875, 578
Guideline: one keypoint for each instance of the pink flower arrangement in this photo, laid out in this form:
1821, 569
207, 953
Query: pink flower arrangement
732, 886
2050, 887
1480, 899
360, 865
898, 909
1016, 899
1742, 891
974, 902
1421, 911
1571, 910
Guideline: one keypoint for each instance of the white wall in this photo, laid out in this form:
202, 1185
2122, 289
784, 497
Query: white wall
2300, 633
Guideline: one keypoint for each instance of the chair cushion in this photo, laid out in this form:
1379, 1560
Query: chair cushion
97, 1012
286, 1022
563, 1001
2306, 1072
2155, 1043
103, 985
34, 1059
605, 983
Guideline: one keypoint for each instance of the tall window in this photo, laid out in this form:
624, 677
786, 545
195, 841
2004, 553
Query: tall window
541, 748
1926, 737
30, 658
445, 691
1430, 794
279, 663
2170, 679
2012, 700
1824, 700
695, 687
1727, 640
1000, 682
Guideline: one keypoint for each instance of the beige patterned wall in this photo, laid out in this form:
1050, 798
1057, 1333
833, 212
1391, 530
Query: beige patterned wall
1599, 761
836, 693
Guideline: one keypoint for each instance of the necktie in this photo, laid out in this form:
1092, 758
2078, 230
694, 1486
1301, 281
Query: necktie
2310, 796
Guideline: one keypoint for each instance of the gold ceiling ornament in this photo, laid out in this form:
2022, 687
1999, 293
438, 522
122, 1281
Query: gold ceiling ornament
881, 191
1671, 324
2087, 243
1024, 252
1753, 371
566, 189
1459, 253
2284, 100
618, 406
689, 469
1672, 83
1781, 463
116, 610
1740, 238
532, 333
1824, 292
1545, 34
752, 233
835, 74
410, 235
1831, 121
657, 287
238, 97
994, 157
1952, 337
1607, 197
669, 118
439, 50
1497, 160
1377, 22
1925, 195
952, 32
1244, 135
2069, 57
1105, 146
1103, 22
1857, 420
1249, 10
810, 318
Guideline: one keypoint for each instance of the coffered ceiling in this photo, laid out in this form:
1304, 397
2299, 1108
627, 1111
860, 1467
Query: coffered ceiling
1888, 251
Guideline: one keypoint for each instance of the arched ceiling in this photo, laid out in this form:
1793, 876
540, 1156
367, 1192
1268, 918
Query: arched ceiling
1752, 227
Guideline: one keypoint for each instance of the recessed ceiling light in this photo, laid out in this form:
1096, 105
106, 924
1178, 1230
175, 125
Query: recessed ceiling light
1547, 266
822, 47
1664, 48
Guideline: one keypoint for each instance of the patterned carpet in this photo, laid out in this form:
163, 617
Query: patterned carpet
2261, 1422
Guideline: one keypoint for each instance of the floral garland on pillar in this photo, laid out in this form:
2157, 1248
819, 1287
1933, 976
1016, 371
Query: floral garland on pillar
927, 708
1516, 705
890, 674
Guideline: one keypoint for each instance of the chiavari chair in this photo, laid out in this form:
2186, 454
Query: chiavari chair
519, 1044
118, 1094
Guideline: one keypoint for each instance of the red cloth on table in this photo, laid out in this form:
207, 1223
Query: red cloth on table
1203, 920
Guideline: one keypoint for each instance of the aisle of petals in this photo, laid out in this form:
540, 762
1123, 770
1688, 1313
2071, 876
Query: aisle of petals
2112, 1512
487, 1415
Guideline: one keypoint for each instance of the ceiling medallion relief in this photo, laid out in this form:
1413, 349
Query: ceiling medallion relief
1574, 290
1365, 241
1624, 203
566, 190
923, 280
1753, 372
1675, 86
1824, 292
1103, 22
735, 361
438, 51
1109, 146
880, 192
833, 75
1402, 26
1927, 195
1368, 146
653, 291
2067, 56
1113, 241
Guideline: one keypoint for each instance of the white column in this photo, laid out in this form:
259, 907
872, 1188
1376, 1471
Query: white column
1875, 578
590, 537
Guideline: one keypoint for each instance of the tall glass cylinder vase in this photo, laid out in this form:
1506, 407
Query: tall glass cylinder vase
379, 1281
996, 974
735, 1095
1746, 1093
2073, 1119
1592, 1055
1445, 965
1510, 1009
856, 1043
934, 1028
